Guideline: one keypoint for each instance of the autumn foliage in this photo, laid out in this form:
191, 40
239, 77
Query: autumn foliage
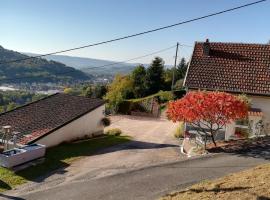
212, 109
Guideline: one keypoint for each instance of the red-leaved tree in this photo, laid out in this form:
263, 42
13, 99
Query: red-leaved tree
208, 112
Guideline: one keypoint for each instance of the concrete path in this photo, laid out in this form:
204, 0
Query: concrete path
148, 183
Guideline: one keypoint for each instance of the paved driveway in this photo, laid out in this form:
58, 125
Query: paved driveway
148, 183
153, 144
146, 168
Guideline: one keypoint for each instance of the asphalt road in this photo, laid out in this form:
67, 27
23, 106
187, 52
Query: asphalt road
148, 183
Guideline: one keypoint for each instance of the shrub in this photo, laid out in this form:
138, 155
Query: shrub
136, 106
163, 107
165, 96
114, 132
105, 121
125, 107
179, 131
178, 94
131, 105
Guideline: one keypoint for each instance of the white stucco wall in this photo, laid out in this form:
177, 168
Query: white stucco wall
86, 125
263, 103
230, 128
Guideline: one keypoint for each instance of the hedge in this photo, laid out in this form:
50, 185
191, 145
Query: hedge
140, 104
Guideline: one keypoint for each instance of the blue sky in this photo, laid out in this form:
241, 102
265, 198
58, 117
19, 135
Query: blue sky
43, 26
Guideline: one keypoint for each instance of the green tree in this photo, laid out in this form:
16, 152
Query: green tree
2, 109
181, 69
37, 97
68, 91
100, 91
1, 99
138, 77
88, 92
120, 89
11, 106
155, 76
179, 84
168, 74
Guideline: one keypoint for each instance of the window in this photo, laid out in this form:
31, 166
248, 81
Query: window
242, 122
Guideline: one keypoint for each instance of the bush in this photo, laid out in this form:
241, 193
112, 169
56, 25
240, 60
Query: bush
178, 94
165, 96
125, 107
179, 132
130, 105
105, 121
114, 132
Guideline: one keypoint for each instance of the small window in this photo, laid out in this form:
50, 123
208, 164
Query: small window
242, 122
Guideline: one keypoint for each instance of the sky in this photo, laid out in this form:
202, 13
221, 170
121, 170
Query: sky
39, 26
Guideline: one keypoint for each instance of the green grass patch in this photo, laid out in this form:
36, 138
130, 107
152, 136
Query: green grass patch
58, 157
8, 179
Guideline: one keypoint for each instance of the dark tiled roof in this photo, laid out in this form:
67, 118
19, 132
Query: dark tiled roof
39, 118
232, 67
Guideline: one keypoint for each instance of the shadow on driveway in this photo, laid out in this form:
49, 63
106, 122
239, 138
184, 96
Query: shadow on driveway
133, 145
4, 185
10, 197
256, 148
58, 166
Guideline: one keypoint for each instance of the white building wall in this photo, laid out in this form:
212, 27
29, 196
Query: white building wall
87, 125
264, 104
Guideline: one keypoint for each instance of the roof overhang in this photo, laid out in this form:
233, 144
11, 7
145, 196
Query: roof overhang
229, 91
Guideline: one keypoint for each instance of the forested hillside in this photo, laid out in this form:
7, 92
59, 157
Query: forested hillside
92, 66
35, 70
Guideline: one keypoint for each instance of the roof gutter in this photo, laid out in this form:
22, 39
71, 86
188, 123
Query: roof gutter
231, 91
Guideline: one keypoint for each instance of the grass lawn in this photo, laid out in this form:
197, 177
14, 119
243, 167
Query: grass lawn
57, 157
250, 184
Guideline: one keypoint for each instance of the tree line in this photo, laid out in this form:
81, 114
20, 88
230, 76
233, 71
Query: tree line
141, 82
145, 81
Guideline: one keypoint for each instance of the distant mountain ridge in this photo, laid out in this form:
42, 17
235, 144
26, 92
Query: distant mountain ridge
35, 70
83, 64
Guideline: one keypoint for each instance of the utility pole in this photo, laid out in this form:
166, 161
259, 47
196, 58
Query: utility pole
175, 63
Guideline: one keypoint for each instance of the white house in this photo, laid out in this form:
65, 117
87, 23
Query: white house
55, 119
236, 68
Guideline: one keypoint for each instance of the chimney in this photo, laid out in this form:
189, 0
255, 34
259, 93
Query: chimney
6, 136
206, 47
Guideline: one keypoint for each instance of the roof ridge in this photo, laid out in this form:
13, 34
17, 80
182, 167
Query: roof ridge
237, 43
27, 104
82, 97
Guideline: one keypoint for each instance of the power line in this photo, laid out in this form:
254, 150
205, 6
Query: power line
101, 66
136, 58
141, 33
